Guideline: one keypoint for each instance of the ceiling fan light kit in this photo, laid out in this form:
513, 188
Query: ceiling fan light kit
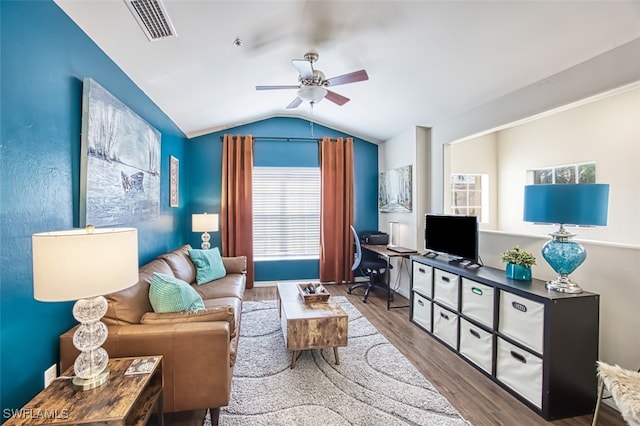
312, 94
313, 85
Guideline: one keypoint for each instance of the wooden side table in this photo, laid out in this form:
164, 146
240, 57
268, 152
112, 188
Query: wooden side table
126, 399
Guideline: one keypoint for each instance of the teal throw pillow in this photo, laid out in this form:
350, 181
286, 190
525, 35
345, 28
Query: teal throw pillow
170, 294
208, 263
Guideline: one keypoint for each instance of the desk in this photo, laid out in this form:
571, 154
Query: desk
385, 253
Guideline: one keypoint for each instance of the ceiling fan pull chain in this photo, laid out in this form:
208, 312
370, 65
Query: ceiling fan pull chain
311, 118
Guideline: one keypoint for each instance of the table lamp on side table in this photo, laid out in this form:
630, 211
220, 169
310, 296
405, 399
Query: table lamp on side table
565, 204
84, 265
204, 223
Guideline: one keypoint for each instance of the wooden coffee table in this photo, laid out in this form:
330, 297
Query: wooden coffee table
310, 326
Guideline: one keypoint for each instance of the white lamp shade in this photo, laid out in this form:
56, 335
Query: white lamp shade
204, 222
78, 264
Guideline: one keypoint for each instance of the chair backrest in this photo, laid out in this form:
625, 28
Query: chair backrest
357, 258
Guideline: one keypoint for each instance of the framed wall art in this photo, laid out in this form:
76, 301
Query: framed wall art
174, 176
119, 162
395, 190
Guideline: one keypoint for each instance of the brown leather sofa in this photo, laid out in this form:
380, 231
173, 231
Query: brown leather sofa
198, 353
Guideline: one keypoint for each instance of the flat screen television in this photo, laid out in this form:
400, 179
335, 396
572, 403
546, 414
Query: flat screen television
456, 236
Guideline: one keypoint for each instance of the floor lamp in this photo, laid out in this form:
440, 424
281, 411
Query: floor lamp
84, 265
565, 204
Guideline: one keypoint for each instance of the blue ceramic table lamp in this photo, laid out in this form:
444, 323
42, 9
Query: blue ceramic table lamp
565, 204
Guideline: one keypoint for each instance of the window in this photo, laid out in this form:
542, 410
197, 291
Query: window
469, 195
572, 173
286, 213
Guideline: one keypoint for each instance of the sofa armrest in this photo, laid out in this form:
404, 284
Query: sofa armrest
235, 265
196, 359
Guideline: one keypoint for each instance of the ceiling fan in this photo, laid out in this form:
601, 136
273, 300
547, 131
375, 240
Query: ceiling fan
313, 86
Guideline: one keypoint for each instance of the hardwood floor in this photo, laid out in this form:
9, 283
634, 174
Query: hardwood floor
477, 398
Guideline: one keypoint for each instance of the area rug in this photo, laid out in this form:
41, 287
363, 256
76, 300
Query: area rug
373, 385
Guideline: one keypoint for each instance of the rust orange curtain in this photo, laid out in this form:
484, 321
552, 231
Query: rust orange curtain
237, 208
336, 210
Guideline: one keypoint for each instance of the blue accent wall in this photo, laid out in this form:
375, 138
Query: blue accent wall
45, 57
205, 169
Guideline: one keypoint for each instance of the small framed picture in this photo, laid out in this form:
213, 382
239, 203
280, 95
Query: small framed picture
174, 175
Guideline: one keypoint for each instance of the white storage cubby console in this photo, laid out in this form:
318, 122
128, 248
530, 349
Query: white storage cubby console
540, 345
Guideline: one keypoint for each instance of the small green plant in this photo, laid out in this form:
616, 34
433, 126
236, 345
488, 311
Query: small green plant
518, 257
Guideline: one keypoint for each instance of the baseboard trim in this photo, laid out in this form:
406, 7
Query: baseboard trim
307, 280
273, 283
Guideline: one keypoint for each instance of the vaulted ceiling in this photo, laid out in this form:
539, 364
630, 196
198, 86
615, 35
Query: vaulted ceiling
427, 61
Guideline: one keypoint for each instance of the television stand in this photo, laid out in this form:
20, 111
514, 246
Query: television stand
539, 345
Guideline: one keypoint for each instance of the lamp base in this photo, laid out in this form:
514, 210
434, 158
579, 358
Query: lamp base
206, 245
91, 366
92, 383
563, 255
563, 284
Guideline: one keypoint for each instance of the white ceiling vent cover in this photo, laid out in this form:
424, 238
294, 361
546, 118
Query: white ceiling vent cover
152, 18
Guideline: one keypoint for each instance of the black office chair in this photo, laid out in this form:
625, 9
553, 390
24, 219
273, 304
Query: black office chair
374, 269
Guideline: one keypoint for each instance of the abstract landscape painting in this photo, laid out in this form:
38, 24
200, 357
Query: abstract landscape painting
394, 190
120, 162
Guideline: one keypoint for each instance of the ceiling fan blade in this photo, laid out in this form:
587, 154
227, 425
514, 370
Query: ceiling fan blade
336, 98
295, 103
304, 68
277, 87
352, 77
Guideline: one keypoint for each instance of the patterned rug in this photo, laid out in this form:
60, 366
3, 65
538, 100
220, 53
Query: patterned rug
373, 385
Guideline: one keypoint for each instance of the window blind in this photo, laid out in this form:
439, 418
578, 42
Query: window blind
286, 213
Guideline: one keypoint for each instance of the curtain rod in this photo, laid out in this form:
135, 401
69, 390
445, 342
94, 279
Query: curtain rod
281, 138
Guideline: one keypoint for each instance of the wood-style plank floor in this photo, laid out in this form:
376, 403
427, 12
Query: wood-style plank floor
477, 398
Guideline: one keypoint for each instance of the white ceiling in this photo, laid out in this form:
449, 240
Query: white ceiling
427, 60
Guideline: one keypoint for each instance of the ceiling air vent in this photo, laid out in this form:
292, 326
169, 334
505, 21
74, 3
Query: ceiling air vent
152, 17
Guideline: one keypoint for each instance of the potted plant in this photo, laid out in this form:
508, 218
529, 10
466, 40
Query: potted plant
519, 263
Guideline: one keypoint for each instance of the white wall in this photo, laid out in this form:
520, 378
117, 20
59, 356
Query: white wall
614, 69
476, 156
412, 147
611, 271
606, 132
394, 153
